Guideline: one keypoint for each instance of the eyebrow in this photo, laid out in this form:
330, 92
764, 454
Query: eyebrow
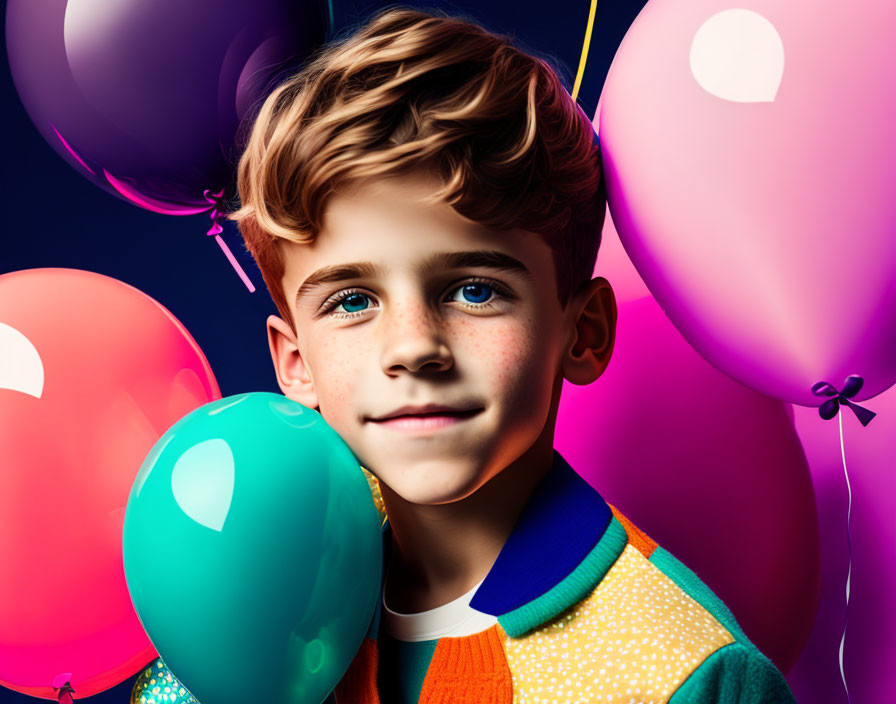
490, 259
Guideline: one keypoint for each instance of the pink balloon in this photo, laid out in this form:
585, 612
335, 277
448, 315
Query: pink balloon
870, 647
708, 468
612, 261
615, 266
750, 159
92, 372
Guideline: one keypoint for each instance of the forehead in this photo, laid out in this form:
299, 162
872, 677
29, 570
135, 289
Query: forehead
390, 224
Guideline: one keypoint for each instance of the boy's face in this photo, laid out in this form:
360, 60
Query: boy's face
403, 313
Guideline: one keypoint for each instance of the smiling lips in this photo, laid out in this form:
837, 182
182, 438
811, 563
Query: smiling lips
430, 417
428, 409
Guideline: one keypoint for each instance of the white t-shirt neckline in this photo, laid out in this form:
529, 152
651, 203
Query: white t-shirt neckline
455, 619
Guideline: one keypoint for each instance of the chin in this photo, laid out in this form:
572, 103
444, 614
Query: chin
430, 499
434, 484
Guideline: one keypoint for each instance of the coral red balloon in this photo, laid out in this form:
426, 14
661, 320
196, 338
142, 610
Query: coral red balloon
92, 372
711, 470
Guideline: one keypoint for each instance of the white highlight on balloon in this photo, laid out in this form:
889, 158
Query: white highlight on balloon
202, 482
87, 21
236, 399
738, 55
21, 368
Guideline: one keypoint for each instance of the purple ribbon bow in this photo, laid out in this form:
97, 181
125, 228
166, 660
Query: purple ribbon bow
851, 387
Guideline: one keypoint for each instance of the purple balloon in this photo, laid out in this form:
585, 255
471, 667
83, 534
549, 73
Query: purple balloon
710, 469
870, 647
145, 98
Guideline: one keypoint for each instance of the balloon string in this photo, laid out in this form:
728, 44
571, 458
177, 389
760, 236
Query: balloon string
236, 265
586, 45
849, 544
217, 215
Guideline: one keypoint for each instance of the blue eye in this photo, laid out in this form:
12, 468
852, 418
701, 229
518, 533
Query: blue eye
480, 294
355, 302
476, 292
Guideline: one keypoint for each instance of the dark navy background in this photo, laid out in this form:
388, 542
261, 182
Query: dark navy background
52, 217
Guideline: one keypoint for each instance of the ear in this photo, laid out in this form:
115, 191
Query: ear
594, 333
293, 375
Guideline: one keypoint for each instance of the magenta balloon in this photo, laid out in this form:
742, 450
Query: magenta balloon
870, 647
750, 160
708, 468
145, 99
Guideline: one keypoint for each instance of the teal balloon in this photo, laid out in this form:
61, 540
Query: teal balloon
252, 551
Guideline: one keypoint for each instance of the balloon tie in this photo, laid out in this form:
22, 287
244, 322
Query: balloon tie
851, 387
65, 693
849, 544
215, 200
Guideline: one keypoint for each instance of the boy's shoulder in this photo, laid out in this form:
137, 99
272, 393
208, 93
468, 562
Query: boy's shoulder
590, 608
649, 629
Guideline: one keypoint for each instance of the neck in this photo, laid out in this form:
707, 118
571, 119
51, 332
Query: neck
440, 552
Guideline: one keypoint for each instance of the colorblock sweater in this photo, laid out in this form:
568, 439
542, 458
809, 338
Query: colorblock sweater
587, 609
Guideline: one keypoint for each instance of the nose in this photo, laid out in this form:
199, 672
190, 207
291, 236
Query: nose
414, 340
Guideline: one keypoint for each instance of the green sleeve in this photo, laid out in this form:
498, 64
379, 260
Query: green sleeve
735, 674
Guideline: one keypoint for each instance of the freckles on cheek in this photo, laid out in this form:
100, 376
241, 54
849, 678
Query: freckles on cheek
508, 352
335, 375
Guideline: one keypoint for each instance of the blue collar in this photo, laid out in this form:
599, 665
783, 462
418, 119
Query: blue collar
564, 542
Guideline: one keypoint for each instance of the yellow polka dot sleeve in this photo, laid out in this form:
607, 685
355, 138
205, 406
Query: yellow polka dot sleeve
636, 638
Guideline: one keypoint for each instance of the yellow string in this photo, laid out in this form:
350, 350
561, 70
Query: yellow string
584, 57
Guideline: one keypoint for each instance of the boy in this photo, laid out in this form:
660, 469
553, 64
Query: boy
424, 202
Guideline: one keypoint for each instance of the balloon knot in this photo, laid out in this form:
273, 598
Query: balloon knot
65, 693
215, 200
851, 386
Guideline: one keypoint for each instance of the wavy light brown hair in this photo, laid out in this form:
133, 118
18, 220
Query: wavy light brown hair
414, 90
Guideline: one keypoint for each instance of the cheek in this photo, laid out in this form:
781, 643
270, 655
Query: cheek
508, 357
335, 368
